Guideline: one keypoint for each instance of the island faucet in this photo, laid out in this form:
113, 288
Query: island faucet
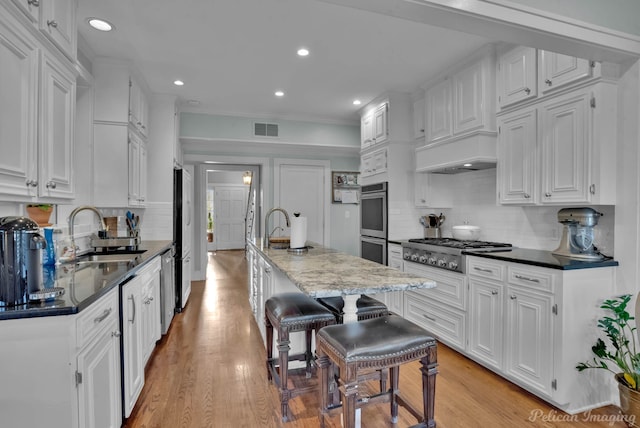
72, 218
266, 223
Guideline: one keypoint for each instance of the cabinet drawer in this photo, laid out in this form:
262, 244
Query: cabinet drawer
485, 268
447, 325
451, 288
97, 317
531, 278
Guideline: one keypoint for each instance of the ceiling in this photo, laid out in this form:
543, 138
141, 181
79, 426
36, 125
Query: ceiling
234, 54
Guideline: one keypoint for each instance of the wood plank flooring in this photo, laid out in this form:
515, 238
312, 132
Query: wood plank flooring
209, 371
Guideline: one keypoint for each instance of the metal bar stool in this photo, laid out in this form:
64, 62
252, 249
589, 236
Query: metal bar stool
288, 313
375, 344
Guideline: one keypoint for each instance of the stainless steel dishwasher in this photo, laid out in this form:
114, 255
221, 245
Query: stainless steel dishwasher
167, 290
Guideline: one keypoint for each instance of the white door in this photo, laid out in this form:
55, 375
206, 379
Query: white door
229, 208
303, 186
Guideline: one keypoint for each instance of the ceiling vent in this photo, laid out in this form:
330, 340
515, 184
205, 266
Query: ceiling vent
265, 129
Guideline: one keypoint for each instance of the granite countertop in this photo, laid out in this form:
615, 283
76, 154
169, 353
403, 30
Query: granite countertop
541, 258
83, 283
324, 272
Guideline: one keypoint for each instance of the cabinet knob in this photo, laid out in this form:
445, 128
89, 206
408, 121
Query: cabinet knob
51, 185
32, 183
494, 293
548, 194
548, 82
116, 334
34, 3
513, 297
527, 196
52, 23
527, 91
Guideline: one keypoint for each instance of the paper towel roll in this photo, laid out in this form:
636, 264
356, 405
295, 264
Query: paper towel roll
298, 232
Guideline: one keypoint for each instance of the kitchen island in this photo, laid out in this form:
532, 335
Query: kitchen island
321, 272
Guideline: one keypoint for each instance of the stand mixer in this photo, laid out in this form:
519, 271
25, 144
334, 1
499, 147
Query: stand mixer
577, 234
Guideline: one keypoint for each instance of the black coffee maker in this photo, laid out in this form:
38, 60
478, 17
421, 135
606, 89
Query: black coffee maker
20, 260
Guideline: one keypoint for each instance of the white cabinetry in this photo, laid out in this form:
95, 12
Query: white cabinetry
419, 118
120, 132
132, 343
394, 299
557, 151
56, 19
66, 367
441, 310
558, 70
37, 113
374, 163
374, 127
462, 102
533, 324
150, 303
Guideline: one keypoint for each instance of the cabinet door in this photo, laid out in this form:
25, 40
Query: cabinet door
558, 70
565, 143
58, 96
517, 157
366, 167
142, 175
30, 8
99, 392
18, 112
486, 321
150, 304
366, 130
517, 77
134, 170
468, 99
529, 339
134, 103
380, 124
58, 23
379, 163
186, 280
133, 347
418, 119
438, 115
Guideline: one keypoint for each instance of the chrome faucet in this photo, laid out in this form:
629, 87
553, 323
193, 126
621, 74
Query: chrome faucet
72, 218
266, 223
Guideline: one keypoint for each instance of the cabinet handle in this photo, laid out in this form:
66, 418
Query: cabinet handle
133, 305
513, 297
592, 189
524, 278
482, 270
494, 293
34, 3
527, 196
548, 82
51, 184
548, 194
102, 317
527, 91
428, 317
116, 334
52, 23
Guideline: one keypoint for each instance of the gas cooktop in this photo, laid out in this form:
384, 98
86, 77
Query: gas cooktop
457, 243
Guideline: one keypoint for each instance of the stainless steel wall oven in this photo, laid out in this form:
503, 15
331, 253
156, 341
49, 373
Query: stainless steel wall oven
373, 223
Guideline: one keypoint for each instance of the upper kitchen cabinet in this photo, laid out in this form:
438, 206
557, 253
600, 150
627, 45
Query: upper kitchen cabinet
560, 150
419, 119
138, 107
461, 102
386, 119
527, 74
56, 19
37, 111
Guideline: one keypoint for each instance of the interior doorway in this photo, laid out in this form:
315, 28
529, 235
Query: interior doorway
226, 205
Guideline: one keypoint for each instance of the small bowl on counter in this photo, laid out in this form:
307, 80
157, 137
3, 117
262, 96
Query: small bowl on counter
466, 232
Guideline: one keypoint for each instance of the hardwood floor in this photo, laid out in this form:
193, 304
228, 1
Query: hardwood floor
209, 371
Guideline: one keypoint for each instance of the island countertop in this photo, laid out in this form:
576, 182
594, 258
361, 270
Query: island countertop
325, 272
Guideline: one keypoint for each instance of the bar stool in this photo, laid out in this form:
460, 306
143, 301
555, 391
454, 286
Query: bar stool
288, 313
375, 344
368, 307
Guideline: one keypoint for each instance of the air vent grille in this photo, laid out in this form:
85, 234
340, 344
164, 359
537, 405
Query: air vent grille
265, 129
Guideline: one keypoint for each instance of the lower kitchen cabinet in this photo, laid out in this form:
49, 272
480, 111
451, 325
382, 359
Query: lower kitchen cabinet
532, 325
63, 371
393, 299
150, 302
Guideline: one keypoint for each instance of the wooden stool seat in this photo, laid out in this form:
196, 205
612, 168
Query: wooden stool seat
368, 307
288, 313
380, 343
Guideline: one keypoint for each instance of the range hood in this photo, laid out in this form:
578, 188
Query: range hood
470, 153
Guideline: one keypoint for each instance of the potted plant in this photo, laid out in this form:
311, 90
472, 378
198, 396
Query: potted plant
40, 213
210, 228
622, 359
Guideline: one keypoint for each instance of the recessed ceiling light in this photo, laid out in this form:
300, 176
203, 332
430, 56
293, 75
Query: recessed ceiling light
467, 165
279, 94
178, 82
100, 24
303, 52
357, 102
